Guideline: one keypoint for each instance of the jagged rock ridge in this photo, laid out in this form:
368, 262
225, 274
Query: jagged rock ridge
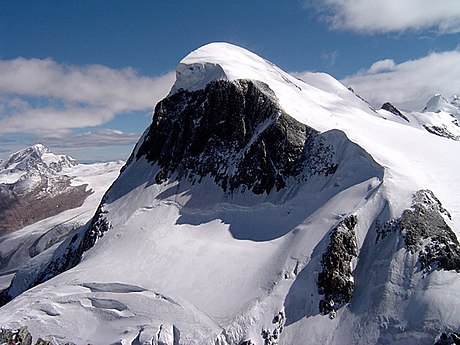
237, 133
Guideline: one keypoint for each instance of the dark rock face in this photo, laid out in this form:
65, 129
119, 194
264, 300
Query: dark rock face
442, 131
425, 231
335, 280
236, 133
20, 336
448, 339
392, 109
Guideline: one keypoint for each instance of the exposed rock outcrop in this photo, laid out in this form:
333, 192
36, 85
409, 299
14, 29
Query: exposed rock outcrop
335, 281
426, 233
392, 109
20, 336
48, 197
442, 131
236, 133
448, 339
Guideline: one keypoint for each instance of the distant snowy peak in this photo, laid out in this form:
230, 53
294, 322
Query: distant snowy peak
440, 116
438, 103
37, 158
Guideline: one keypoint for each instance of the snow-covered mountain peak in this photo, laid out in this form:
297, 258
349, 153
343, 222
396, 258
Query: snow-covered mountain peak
218, 61
36, 158
39, 148
257, 204
321, 95
438, 103
32, 152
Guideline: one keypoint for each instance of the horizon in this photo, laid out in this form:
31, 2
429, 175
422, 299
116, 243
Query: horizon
83, 78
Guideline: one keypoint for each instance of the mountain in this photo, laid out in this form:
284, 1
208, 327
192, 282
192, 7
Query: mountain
44, 197
259, 209
438, 103
440, 116
35, 158
32, 187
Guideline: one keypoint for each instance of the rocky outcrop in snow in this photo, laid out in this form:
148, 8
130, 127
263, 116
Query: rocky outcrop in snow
442, 131
448, 339
20, 336
335, 281
236, 133
426, 233
392, 109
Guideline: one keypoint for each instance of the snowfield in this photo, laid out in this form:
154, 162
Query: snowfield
20, 246
189, 263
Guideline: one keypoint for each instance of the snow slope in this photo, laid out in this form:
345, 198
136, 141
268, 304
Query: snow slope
22, 245
183, 261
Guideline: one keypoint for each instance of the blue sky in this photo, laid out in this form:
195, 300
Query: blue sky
83, 76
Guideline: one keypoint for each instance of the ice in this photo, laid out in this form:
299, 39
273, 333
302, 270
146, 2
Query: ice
196, 76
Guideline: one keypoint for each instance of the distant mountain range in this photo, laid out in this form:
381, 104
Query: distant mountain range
256, 209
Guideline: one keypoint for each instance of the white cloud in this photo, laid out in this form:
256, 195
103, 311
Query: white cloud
42, 95
382, 66
370, 16
93, 139
97, 145
410, 84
